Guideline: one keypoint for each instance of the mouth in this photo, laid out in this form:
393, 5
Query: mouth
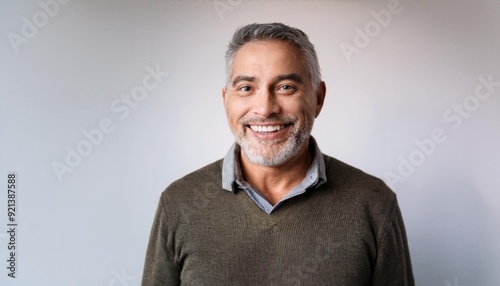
264, 129
269, 130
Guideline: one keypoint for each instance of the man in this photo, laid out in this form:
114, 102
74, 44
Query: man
275, 210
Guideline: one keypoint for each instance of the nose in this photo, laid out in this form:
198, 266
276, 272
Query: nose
265, 103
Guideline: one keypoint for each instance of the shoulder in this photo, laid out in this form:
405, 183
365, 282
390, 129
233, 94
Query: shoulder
209, 174
344, 175
357, 187
364, 198
195, 196
207, 177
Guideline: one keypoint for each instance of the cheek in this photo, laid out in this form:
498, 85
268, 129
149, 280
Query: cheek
234, 111
233, 119
310, 109
304, 108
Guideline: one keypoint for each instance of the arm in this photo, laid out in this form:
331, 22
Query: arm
393, 265
160, 267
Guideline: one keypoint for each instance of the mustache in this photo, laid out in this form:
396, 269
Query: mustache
285, 120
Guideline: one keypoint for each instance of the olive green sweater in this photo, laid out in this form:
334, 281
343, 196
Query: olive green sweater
349, 231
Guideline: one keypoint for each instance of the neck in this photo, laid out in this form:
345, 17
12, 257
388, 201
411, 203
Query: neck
275, 182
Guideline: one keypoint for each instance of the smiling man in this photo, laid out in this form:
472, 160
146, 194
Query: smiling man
275, 210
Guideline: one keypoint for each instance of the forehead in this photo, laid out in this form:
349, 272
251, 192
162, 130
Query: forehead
260, 58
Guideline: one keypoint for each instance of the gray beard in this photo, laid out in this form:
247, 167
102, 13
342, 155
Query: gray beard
255, 151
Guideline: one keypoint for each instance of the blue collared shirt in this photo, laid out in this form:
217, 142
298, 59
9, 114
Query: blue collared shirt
232, 178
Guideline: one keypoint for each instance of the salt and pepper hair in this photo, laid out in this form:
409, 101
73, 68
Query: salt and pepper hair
279, 32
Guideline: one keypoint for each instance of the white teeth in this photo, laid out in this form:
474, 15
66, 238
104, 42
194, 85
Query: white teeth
272, 128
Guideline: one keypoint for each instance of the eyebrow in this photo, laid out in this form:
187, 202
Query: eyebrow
241, 78
289, 76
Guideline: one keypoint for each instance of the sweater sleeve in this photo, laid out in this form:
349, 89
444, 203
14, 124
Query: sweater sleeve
393, 264
160, 267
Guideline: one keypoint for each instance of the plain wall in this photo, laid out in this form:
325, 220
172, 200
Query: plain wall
405, 103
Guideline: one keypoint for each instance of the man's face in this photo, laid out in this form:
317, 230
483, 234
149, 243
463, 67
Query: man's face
270, 102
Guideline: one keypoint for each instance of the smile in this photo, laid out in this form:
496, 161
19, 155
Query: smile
266, 128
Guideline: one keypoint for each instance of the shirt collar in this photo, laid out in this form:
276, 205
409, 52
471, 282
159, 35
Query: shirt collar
231, 170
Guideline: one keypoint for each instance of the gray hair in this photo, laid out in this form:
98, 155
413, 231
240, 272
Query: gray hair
274, 31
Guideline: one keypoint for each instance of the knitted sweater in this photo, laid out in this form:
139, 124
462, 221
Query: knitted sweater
349, 231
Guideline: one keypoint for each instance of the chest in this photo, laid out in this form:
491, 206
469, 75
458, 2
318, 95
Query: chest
309, 246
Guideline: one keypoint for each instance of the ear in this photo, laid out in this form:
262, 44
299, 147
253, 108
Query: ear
224, 96
320, 97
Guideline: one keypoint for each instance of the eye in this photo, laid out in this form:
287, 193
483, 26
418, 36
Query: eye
287, 88
245, 88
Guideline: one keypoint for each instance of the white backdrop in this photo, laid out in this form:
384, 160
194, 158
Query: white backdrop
104, 103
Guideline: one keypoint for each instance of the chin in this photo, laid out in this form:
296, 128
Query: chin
272, 154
